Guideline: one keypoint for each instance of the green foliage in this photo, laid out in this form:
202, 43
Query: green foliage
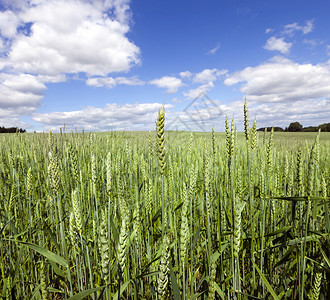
295, 127
323, 127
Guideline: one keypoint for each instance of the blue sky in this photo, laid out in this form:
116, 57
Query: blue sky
110, 64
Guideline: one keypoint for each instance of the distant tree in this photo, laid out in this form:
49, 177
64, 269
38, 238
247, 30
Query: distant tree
310, 129
270, 128
325, 127
295, 127
11, 130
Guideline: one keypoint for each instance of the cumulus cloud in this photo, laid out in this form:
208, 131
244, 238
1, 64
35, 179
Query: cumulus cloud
312, 112
8, 23
12, 121
43, 41
199, 91
277, 44
208, 75
291, 28
205, 78
172, 84
138, 116
129, 80
201, 115
72, 37
308, 113
23, 90
110, 82
282, 80
185, 74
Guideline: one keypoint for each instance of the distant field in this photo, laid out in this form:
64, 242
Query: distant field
300, 136
290, 137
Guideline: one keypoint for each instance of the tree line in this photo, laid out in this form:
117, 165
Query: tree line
11, 130
297, 127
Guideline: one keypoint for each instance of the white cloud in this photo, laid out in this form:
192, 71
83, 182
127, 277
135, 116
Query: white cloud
282, 80
52, 79
12, 121
22, 83
72, 37
138, 116
291, 28
22, 90
205, 78
312, 112
277, 44
309, 113
43, 41
214, 50
172, 84
268, 30
208, 75
176, 100
199, 116
129, 80
185, 74
8, 23
110, 82
198, 92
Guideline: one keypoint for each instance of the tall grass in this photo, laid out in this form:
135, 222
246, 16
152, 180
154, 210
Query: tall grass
232, 216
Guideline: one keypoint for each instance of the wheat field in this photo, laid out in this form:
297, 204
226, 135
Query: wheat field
165, 215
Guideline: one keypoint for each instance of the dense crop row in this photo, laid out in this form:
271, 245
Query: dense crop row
166, 215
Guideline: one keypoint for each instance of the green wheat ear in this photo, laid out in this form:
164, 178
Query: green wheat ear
239, 206
76, 210
184, 230
122, 243
164, 266
53, 172
105, 260
29, 183
74, 163
43, 282
246, 121
160, 139
8, 290
109, 174
253, 135
12, 200
213, 271
316, 288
